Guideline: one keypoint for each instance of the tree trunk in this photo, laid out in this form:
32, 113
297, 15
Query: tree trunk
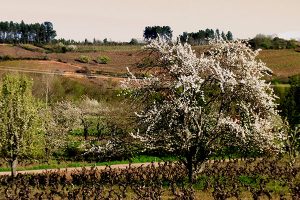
194, 163
85, 132
13, 166
99, 131
189, 162
47, 152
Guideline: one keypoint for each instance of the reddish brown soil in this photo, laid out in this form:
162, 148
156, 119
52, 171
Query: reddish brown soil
283, 62
18, 52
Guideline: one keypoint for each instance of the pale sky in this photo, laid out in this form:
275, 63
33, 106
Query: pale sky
121, 20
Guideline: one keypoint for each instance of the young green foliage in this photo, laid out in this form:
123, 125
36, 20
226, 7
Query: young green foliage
18, 119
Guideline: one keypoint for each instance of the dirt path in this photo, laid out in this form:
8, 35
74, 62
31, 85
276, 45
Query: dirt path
70, 169
117, 166
60, 73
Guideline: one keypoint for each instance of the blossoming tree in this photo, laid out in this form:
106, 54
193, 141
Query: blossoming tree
88, 108
58, 121
202, 104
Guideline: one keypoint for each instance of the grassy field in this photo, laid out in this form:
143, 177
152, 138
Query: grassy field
284, 63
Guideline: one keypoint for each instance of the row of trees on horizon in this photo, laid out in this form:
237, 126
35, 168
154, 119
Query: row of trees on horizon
11, 32
44, 33
202, 36
40, 33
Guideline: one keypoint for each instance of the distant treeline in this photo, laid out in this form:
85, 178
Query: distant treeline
202, 36
268, 42
11, 32
43, 33
152, 32
194, 38
95, 41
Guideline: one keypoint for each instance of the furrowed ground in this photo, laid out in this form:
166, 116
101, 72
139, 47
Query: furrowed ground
284, 63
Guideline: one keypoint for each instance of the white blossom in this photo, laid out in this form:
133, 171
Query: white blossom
216, 99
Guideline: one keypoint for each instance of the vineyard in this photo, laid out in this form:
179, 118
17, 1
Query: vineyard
177, 103
252, 178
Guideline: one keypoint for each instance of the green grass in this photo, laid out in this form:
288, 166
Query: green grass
20, 64
31, 47
277, 187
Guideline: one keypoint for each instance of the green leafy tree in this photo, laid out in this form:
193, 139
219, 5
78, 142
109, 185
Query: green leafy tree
290, 105
269, 42
50, 33
18, 119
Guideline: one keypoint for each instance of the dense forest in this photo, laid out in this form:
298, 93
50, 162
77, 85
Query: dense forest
11, 32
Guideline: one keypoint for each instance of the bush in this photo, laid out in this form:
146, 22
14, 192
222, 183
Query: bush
64, 49
31, 47
297, 49
73, 150
71, 48
102, 59
84, 59
133, 41
268, 42
148, 62
6, 57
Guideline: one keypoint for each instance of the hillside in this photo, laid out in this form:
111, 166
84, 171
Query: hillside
32, 59
284, 63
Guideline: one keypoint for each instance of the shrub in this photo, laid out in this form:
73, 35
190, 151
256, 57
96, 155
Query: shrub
84, 59
63, 49
71, 48
73, 150
6, 57
148, 62
31, 47
102, 59
133, 41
